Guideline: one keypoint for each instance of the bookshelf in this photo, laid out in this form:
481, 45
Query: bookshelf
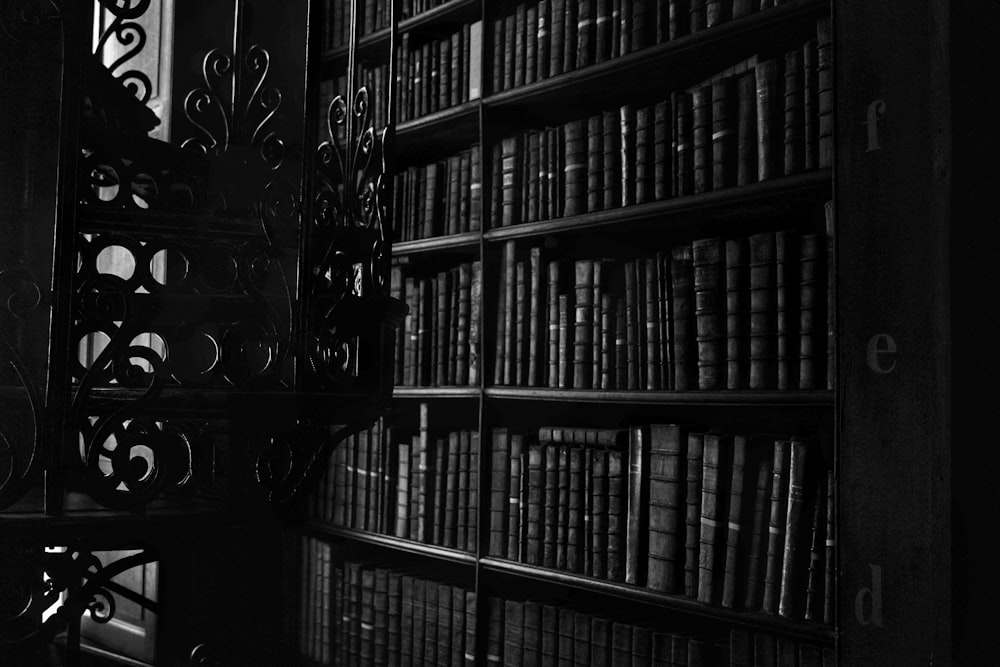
458, 252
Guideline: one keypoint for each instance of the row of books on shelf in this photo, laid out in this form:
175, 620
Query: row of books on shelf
374, 16
533, 633
439, 73
733, 520
375, 79
439, 341
758, 120
421, 487
441, 198
546, 38
741, 313
363, 614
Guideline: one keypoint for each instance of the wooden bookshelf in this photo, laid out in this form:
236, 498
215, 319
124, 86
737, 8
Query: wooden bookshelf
621, 232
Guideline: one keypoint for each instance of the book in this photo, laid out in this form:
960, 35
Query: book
796, 532
513, 632
812, 300
582, 324
595, 166
557, 26
716, 469
570, 27
683, 143
787, 308
553, 323
462, 500
599, 512
575, 511
824, 96
535, 505
611, 142
737, 314
682, 281
776, 527
514, 498
701, 138
666, 510
812, 609
662, 131
617, 523
494, 644
768, 164
575, 167
692, 498
725, 101
520, 44
638, 503
763, 312
542, 39
550, 504
628, 166
794, 105
710, 325
585, 33
737, 520
521, 340
499, 491
644, 152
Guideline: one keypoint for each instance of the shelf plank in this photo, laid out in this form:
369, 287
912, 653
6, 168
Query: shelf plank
820, 398
424, 393
454, 242
440, 133
778, 194
392, 542
671, 65
752, 620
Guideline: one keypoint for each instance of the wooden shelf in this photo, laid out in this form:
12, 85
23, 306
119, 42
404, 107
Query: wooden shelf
391, 542
667, 66
753, 620
768, 197
762, 398
454, 243
424, 393
439, 133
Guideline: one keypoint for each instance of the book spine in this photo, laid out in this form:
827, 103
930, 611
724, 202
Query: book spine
575, 512
812, 295
662, 128
763, 312
575, 167
638, 504
611, 160
829, 563
562, 503
794, 126
737, 314
724, 132
683, 144
810, 107
557, 25
451, 492
462, 510
627, 124
582, 331
499, 491
666, 511
597, 345
652, 325
470, 628
701, 135
602, 30
696, 15
595, 166
824, 83
536, 500
644, 168
542, 40
495, 631
570, 27
621, 644
473, 491
520, 44
715, 468
617, 554
475, 306
462, 339
513, 633
692, 497
708, 265
514, 499
734, 528
768, 165
632, 326
565, 344
812, 610
550, 507
521, 342
682, 279
599, 513
553, 323
776, 527
536, 321
534, 195
585, 33
789, 602
787, 310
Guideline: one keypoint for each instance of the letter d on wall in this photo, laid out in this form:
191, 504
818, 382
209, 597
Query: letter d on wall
868, 601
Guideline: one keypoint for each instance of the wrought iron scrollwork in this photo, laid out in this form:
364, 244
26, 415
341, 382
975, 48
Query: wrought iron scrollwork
71, 583
131, 36
21, 409
287, 467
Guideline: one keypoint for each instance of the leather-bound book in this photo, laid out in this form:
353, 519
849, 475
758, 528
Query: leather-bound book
520, 45
701, 134
813, 608
575, 518
581, 638
740, 648
462, 508
597, 344
562, 506
696, 15
495, 630
769, 153
602, 30
475, 189
607, 342
684, 340
716, 470
666, 507
536, 320
530, 43
738, 515
654, 297
461, 376
582, 324
763, 312
710, 323
550, 635
542, 41
631, 326
445, 67
643, 24
499, 492
794, 135
638, 494
473, 490
599, 512
824, 82
627, 125
786, 247
521, 341
621, 644
812, 306
692, 499
617, 517
725, 102
515, 476
575, 167
595, 164
679, 18
642, 646
557, 27
777, 527
829, 564
683, 144
513, 633
440, 477
585, 33
644, 167
612, 158
567, 642
737, 313
536, 504
511, 148
532, 180
570, 29
793, 563
624, 27
810, 107
600, 642
475, 305
532, 637
550, 505
565, 343
553, 323
760, 474
662, 128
